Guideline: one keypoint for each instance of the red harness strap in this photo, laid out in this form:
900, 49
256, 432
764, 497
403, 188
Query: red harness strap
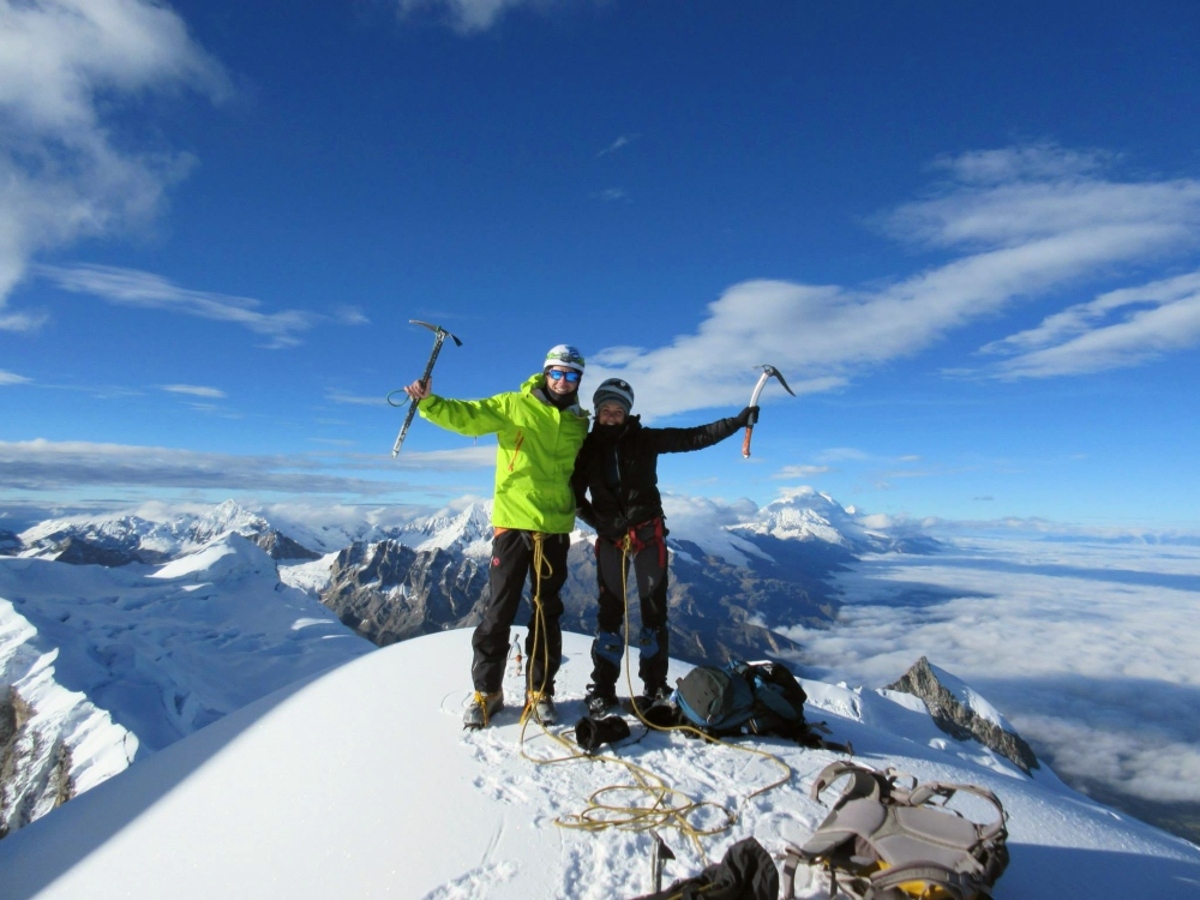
637, 545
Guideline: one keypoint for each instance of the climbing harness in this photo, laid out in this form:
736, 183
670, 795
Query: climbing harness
631, 544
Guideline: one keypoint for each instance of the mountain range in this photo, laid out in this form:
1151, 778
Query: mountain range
119, 634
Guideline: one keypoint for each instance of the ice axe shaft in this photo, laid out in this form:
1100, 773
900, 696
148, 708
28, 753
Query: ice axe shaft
769, 372
658, 859
441, 335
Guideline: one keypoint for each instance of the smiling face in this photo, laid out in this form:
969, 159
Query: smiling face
558, 380
610, 413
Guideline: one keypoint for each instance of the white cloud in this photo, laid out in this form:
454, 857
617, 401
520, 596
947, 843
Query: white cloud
19, 321
621, 142
1118, 329
477, 456
351, 315
1039, 161
355, 399
46, 466
470, 16
128, 287
1086, 648
801, 471
58, 55
612, 195
1040, 192
194, 390
12, 378
65, 170
43, 466
1046, 529
844, 454
1024, 222
703, 520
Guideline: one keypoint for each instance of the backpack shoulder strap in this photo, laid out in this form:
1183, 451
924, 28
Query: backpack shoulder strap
987, 831
864, 782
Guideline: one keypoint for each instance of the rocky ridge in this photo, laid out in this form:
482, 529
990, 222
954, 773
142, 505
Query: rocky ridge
961, 720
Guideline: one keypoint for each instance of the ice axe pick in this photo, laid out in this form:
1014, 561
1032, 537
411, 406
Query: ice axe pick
769, 372
441, 335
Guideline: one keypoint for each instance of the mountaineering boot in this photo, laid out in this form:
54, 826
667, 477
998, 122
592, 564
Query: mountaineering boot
483, 707
652, 697
600, 699
541, 706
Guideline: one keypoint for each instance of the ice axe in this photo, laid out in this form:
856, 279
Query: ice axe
441, 335
769, 372
658, 859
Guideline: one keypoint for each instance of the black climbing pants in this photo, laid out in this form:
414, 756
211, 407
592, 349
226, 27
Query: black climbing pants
513, 564
650, 570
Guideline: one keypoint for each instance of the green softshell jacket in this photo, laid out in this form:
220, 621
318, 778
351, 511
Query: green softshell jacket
537, 444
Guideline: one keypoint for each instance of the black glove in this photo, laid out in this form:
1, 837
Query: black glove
747, 417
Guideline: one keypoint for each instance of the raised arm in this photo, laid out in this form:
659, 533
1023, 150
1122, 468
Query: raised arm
683, 440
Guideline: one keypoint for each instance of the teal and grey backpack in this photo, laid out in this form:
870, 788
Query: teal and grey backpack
888, 840
742, 698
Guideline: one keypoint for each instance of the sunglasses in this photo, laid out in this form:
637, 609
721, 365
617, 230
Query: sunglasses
572, 376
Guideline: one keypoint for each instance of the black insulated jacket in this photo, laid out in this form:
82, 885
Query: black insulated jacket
618, 466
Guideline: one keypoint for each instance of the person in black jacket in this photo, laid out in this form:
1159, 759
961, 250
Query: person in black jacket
618, 467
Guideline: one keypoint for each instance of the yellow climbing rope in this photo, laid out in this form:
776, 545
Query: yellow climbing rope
649, 802
541, 568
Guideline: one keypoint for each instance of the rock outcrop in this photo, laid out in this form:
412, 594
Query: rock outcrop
959, 720
387, 591
34, 771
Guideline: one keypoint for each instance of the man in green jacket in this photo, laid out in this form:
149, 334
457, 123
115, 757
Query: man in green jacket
539, 430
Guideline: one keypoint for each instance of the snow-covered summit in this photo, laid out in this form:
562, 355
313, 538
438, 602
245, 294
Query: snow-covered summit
223, 561
414, 806
470, 530
806, 514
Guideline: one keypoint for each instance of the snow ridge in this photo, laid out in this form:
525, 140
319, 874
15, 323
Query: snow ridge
116, 663
247, 806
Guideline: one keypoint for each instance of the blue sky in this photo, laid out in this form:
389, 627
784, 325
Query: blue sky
967, 233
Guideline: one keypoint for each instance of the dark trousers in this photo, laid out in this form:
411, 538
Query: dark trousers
650, 571
513, 564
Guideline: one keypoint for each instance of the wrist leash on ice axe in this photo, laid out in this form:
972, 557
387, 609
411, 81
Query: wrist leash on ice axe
769, 372
442, 334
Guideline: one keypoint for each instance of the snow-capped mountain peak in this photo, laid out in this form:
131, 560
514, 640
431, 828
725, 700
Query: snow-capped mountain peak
469, 529
151, 534
228, 517
223, 559
807, 514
